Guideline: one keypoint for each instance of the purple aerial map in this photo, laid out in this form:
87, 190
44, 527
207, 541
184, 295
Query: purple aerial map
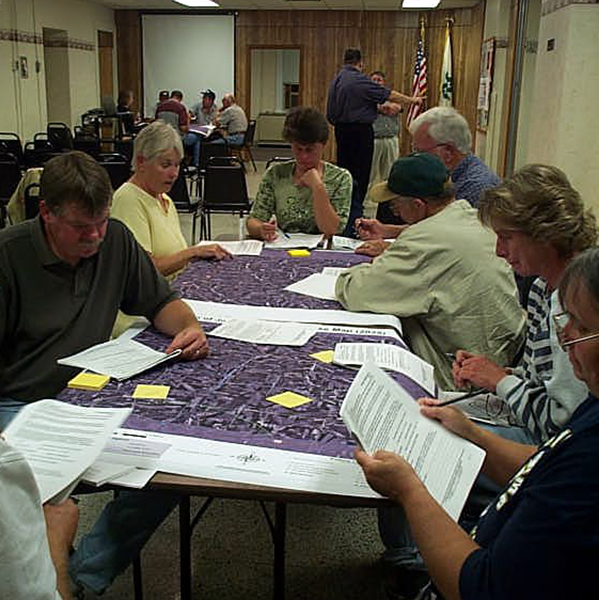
223, 397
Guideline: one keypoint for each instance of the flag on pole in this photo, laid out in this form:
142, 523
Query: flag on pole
419, 83
446, 87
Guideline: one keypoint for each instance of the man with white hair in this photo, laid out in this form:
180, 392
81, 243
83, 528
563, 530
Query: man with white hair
232, 121
444, 132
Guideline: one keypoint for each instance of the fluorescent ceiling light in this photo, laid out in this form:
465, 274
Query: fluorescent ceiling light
196, 3
420, 3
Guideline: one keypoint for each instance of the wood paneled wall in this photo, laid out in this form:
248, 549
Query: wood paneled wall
387, 40
129, 57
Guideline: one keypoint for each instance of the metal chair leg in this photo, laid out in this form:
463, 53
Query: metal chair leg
185, 547
138, 592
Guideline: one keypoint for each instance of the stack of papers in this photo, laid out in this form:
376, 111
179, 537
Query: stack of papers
246, 247
204, 130
295, 240
118, 358
388, 356
61, 441
266, 332
383, 416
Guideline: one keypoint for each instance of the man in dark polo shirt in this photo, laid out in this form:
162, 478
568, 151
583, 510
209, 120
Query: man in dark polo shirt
63, 277
351, 109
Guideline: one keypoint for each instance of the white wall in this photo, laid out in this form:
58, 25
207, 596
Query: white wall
563, 129
24, 100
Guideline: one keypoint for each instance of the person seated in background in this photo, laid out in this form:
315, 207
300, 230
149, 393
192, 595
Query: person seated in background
205, 112
541, 225
231, 121
305, 194
163, 96
173, 112
544, 523
34, 541
143, 204
441, 276
443, 132
81, 267
128, 118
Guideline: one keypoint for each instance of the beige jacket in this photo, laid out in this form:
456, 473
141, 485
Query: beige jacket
442, 278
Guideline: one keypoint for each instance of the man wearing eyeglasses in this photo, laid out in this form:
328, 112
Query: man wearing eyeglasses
63, 277
444, 132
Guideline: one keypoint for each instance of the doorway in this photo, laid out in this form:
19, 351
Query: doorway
56, 68
275, 88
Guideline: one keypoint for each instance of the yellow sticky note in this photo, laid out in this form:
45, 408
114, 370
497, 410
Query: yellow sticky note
289, 399
325, 356
151, 391
298, 252
88, 381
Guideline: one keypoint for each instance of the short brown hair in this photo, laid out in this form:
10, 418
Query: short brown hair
540, 202
75, 178
305, 125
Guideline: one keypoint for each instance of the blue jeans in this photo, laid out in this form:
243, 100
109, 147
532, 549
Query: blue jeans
194, 141
8, 411
400, 549
119, 534
233, 139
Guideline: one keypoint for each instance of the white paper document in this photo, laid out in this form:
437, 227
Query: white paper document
266, 332
204, 130
383, 416
336, 271
317, 285
344, 243
484, 408
388, 356
120, 358
286, 241
217, 312
135, 478
60, 441
102, 472
246, 247
271, 467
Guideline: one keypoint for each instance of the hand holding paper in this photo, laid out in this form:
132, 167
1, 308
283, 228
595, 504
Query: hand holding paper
385, 417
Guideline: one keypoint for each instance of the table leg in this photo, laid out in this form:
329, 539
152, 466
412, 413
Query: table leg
279, 544
185, 548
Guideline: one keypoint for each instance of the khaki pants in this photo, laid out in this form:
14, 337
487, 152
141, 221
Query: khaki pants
386, 152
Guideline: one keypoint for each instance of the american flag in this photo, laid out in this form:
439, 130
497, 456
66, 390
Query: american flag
419, 83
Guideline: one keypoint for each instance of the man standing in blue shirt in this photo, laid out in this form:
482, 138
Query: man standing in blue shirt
351, 109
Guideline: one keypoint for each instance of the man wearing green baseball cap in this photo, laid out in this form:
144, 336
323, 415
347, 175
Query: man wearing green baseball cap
441, 275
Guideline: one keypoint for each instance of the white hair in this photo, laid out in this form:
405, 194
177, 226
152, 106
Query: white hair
155, 139
446, 126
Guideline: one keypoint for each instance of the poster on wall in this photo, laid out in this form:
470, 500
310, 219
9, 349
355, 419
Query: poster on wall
485, 85
23, 68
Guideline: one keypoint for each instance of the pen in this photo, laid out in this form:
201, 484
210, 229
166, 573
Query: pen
286, 235
475, 392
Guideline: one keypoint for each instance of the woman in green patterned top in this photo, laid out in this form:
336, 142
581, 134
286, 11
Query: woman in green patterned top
307, 194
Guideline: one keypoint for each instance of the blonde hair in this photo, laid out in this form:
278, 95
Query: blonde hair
539, 201
155, 139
